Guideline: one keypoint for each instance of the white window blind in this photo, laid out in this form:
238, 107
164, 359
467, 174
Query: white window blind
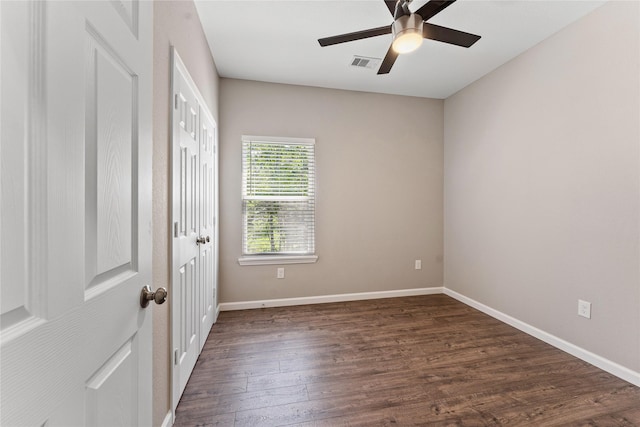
278, 196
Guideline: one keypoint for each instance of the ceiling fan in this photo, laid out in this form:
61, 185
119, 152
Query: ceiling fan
409, 29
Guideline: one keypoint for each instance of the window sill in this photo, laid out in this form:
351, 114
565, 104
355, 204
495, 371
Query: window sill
277, 259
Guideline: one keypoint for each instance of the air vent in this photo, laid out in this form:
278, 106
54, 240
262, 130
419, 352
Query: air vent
365, 62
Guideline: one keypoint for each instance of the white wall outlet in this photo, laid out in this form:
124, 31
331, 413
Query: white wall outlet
584, 309
280, 273
418, 264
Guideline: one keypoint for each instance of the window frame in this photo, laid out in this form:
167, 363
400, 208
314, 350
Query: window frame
271, 258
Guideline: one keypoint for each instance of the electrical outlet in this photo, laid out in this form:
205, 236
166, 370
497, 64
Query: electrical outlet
418, 264
584, 309
280, 273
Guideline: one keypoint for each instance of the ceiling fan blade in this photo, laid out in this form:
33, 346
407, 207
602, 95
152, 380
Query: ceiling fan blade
432, 8
358, 35
391, 5
388, 61
448, 35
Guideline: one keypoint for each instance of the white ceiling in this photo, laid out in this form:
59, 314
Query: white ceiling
276, 41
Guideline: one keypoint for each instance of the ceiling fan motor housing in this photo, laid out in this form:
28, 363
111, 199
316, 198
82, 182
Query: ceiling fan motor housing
407, 33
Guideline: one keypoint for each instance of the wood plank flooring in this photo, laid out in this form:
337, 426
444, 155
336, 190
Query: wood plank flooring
426, 360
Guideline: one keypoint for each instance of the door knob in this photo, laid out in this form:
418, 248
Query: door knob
202, 240
146, 295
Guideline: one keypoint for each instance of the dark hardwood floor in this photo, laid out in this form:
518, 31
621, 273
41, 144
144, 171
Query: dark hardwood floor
427, 360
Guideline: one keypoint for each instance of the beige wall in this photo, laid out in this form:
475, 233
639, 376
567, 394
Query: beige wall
379, 188
175, 23
542, 185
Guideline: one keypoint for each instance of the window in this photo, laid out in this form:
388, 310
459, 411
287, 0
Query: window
278, 200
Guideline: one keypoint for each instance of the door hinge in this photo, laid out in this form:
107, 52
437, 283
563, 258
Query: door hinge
175, 101
175, 356
175, 229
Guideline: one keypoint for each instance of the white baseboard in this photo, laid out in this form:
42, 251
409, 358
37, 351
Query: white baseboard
284, 302
168, 420
598, 361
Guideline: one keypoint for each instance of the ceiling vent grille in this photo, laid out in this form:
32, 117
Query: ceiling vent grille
365, 62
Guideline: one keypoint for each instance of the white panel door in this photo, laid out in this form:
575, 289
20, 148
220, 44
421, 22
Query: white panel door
75, 178
208, 215
185, 288
194, 249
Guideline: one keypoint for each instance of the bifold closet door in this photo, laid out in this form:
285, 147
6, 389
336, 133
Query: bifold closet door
194, 243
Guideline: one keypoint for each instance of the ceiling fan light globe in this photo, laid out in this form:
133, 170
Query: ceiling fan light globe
407, 33
407, 42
